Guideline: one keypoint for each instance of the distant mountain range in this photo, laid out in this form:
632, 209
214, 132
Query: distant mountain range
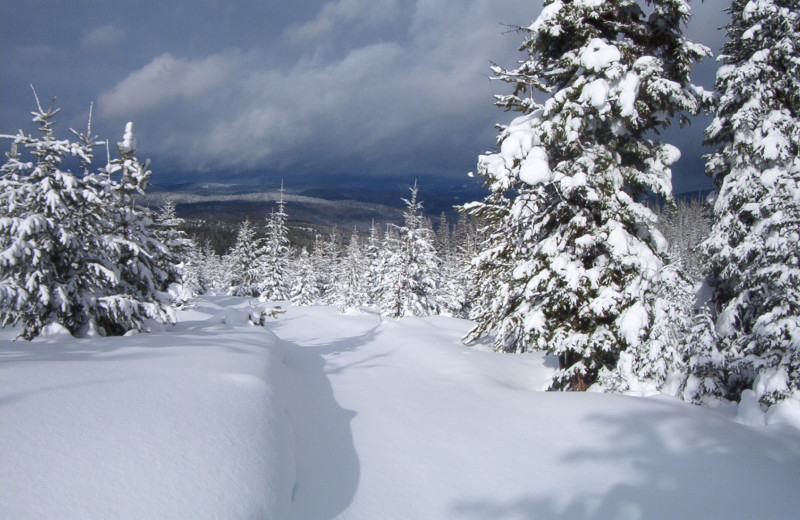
343, 205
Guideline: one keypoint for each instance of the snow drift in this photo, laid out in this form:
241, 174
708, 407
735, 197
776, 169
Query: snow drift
184, 423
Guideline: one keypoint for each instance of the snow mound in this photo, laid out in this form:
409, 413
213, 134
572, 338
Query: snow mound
599, 55
786, 412
181, 424
749, 410
535, 169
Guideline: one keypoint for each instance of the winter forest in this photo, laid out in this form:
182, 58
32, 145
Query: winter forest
578, 251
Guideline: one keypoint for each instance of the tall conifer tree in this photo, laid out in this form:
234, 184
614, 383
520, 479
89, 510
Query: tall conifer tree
275, 255
305, 290
410, 275
573, 255
754, 245
243, 263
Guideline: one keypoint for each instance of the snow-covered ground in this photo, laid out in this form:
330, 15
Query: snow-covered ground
185, 423
322, 415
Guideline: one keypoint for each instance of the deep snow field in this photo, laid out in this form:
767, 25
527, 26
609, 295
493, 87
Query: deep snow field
323, 415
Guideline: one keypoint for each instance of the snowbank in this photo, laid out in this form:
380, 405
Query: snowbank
184, 423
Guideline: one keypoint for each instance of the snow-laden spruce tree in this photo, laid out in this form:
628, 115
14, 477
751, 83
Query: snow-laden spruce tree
706, 381
327, 258
195, 279
754, 244
305, 289
657, 363
183, 251
685, 225
572, 255
76, 250
213, 268
243, 263
371, 281
323, 264
275, 285
443, 237
168, 230
464, 248
146, 266
454, 273
410, 273
466, 236
454, 283
351, 283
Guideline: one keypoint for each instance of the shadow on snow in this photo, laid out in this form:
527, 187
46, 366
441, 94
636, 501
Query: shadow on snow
684, 465
328, 467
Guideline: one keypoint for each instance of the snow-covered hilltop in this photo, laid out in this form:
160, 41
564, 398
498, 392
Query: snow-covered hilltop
322, 415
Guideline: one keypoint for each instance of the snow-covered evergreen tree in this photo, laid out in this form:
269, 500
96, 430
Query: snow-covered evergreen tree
685, 225
193, 271
243, 263
146, 266
465, 236
305, 290
322, 267
657, 364
572, 255
350, 285
707, 360
454, 285
327, 259
76, 250
411, 267
754, 245
443, 242
47, 226
372, 278
461, 298
183, 250
275, 285
212, 268
168, 230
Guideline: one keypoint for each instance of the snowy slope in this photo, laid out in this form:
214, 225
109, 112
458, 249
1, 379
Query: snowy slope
178, 424
355, 416
421, 427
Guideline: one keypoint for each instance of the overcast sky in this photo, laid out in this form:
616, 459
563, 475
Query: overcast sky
226, 88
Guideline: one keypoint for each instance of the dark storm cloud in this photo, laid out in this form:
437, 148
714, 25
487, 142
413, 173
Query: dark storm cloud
345, 86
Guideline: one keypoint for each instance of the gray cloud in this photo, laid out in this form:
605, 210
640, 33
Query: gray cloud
366, 13
339, 86
103, 38
163, 80
364, 103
